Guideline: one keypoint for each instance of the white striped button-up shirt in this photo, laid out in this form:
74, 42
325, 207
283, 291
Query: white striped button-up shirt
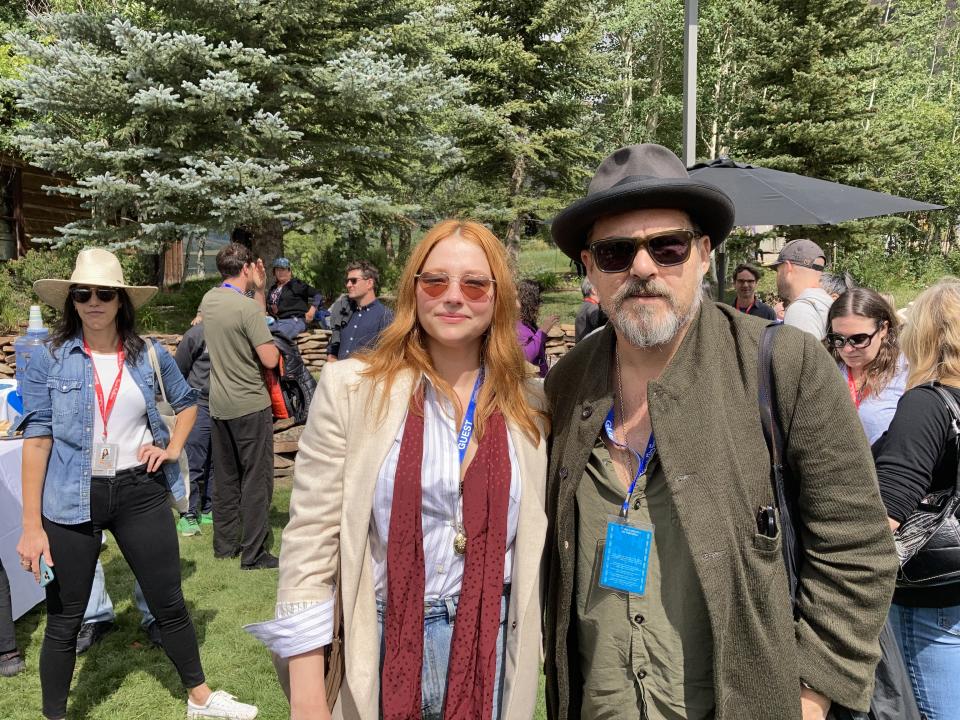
301, 627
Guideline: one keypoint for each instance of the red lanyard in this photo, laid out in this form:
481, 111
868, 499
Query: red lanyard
736, 304
855, 394
106, 409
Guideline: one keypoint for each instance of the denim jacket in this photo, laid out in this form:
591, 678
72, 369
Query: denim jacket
59, 401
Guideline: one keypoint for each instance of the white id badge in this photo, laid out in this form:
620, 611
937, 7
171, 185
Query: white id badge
104, 463
626, 555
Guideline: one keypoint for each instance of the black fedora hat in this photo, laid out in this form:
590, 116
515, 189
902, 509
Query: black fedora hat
637, 177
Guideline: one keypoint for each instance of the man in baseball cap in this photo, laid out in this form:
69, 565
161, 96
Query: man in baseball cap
800, 266
665, 589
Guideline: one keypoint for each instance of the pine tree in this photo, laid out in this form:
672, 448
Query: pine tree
808, 104
529, 137
207, 114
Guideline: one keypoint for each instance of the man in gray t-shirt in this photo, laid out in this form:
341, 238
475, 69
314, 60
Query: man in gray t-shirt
800, 267
240, 347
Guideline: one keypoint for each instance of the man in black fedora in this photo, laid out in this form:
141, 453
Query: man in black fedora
667, 594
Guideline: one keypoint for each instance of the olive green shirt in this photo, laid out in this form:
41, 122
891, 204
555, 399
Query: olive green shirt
652, 652
233, 327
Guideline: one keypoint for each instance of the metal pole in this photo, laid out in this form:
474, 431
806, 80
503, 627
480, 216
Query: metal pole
690, 27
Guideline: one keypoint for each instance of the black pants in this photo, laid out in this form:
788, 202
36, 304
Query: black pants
8, 636
243, 456
201, 463
133, 506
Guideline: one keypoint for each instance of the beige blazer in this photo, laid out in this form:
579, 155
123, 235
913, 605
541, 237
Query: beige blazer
341, 451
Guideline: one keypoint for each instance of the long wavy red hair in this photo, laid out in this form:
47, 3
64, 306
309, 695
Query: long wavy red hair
401, 347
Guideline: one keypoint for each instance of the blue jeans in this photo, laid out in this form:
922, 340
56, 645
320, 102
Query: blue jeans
929, 639
438, 619
200, 458
290, 327
100, 607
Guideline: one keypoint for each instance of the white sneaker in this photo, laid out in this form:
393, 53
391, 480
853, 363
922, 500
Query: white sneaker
222, 704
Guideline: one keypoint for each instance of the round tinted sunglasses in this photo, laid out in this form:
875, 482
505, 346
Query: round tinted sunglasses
82, 295
473, 287
858, 341
666, 248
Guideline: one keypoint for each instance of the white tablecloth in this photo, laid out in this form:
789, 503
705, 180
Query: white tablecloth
10, 407
23, 588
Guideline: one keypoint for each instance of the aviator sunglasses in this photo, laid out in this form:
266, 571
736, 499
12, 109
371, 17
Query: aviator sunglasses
858, 341
666, 248
473, 287
82, 295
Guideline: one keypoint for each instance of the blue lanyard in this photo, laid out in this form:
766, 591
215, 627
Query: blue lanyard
642, 461
234, 287
466, 431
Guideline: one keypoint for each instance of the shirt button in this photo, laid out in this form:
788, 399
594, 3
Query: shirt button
636, 504
642, 674
638, 619
586, 412
513, 625
566, 544
563, 473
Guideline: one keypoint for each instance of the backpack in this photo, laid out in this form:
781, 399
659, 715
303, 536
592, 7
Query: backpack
296, 383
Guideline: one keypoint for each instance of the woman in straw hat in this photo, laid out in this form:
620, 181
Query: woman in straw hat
97, 455
427, 519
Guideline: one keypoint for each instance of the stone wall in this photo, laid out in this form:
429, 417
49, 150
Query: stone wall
313, 348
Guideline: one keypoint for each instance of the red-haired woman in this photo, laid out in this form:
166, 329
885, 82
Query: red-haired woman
421, 474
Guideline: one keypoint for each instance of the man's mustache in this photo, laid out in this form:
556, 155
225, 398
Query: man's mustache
643, 288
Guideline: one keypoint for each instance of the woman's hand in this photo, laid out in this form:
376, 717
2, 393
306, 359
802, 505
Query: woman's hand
320, 713
548, 322
155, 456
33, 543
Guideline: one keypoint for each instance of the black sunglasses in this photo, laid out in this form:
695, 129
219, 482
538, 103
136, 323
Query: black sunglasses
857, 341
82, 295
666, 248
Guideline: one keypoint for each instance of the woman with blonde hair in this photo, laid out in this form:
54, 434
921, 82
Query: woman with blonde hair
917, 459
420, 474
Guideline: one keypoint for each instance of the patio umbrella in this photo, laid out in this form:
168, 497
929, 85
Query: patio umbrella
772, 197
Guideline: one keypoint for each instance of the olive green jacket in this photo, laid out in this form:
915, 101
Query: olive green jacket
706, 421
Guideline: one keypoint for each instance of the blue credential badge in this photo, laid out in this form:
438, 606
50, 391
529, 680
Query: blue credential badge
626, 556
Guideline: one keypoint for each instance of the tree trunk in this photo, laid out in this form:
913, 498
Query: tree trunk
627, 126
404, 240
516, 225
268, 242
656, 88
201, 260
386, 242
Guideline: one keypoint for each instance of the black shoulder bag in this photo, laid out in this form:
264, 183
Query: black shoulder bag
892, 694
928, 542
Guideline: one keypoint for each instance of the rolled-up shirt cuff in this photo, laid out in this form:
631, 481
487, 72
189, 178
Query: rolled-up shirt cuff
297, 629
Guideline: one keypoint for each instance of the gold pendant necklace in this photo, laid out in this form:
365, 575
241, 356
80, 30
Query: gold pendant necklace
460, 539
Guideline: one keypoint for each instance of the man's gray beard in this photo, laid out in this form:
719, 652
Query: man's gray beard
639, 325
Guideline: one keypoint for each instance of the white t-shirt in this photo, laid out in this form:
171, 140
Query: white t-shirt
809, 312
128, 425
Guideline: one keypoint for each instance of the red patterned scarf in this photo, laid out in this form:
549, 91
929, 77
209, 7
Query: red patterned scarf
473, 655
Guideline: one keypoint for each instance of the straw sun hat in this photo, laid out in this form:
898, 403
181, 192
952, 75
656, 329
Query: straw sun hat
96, 268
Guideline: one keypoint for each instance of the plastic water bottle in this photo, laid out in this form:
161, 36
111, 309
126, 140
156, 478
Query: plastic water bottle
24, 345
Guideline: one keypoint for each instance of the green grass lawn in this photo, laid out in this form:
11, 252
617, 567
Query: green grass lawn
123, 678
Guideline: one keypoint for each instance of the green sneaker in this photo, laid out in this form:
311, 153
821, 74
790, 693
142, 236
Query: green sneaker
206, 518
188, 526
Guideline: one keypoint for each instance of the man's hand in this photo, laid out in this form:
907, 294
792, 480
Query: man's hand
813, 705
331, 358
311, 313
259, 275
197, 319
